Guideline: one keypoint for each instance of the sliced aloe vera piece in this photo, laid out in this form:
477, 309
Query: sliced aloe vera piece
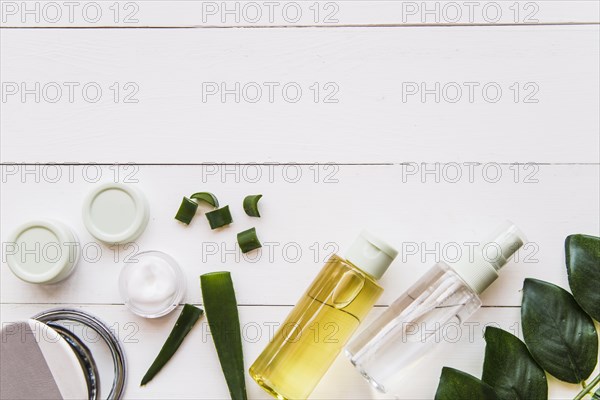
223, 319
248, 240
219, 217
186, 321
251, 205
207, 198
186, 211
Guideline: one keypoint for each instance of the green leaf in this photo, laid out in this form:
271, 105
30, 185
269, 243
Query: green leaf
559, 334
251, 205
221, 310
219, 218
186, 211
509, 368
457, 385
184, 324
596, 395
248, 240
583, 267
207, 198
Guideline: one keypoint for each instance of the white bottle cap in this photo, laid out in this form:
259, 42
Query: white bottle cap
480, 267
42, 251
371, 254
116, 213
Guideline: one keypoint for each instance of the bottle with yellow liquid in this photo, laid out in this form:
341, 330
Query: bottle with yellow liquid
317, 329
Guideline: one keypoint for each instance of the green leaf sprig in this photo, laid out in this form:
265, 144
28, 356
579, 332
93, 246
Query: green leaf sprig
582, 254
560, 336
455, 384
510, 369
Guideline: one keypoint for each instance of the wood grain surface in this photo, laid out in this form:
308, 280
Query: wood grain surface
427, 129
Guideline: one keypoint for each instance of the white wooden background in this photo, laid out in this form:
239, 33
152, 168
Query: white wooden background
178, 144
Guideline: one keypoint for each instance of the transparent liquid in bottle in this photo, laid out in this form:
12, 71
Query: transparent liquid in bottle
411, 325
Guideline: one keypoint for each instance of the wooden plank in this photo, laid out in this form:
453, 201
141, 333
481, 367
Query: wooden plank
305, 219
371, 73
229, 13
194, 371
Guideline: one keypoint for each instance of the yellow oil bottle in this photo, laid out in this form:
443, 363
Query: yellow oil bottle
317, 329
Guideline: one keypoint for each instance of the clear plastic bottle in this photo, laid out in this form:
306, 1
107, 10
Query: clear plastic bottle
446, 294
319, 326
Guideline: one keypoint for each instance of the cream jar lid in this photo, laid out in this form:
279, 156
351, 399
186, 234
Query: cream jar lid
116, 213
42, 251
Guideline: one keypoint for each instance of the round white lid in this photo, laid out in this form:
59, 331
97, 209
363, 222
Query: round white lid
42, 251
116, 213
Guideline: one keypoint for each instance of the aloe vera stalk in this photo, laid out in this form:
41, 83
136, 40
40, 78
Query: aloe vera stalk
186, 321
207, 198
248, 241
222, 315
186, 211
251, 205
219, 217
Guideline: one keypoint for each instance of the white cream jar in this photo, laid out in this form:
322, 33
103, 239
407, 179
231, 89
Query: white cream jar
151, 284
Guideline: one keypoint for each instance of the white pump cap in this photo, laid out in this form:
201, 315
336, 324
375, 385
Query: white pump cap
480, 268
371, 254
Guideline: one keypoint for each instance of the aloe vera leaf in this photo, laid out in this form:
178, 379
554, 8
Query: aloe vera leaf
222, 315
219, 218
207, 198
186, 211
248, 241
184, 324
251, 205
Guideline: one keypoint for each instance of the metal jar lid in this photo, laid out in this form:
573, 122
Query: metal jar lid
41, 358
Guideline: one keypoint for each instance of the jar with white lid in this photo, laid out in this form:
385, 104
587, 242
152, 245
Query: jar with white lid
115, 213
42, 251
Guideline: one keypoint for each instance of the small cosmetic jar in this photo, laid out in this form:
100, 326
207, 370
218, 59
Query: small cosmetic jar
151, 284
115, 213
42, 358
42, 251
